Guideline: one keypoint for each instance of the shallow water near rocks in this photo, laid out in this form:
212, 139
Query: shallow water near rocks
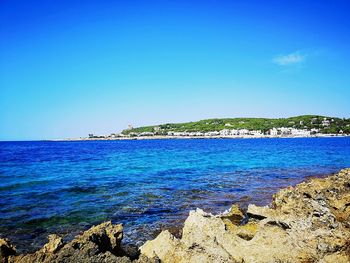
148, 185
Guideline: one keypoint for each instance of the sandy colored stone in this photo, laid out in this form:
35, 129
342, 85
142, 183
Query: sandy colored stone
260, 212
100, 243
247, 231
336, 258
54, 244
306, 223
235, 215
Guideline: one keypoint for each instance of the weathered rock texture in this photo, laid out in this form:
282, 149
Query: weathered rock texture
6, 250
307, 223
100, 243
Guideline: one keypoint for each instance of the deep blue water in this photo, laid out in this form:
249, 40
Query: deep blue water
65, 187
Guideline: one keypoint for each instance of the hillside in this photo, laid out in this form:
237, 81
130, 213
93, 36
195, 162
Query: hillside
323, 123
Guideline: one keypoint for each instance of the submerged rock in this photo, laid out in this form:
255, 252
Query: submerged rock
306, 223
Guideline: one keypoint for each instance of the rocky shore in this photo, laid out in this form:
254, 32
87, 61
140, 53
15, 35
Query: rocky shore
306, 223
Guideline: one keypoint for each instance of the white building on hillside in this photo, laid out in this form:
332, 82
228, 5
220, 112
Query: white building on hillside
256, 133
325, 122
297, 132
213, 133
225, 132
234, 132
273, 131
243, 132
146, 134
285, 131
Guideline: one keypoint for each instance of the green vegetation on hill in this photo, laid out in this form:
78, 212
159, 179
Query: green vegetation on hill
332, 125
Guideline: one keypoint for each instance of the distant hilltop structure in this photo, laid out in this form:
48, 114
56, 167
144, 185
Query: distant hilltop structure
299, 126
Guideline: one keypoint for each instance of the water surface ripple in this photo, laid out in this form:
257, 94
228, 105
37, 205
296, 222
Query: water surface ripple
65, 187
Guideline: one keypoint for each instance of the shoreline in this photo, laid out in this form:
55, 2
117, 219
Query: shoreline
305, 223
200, 137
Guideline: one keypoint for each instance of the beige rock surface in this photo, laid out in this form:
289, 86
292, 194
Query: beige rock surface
306, 223
100, 243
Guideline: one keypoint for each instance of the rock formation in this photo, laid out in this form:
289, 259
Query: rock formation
6, 250
101, 243
306, 223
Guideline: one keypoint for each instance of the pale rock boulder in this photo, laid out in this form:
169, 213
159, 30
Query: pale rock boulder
170, 249
55, 243
234, 215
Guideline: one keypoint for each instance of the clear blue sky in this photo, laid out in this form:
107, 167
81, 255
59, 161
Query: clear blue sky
69, 68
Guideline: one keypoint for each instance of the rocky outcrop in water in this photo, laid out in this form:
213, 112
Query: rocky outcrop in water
101, 243
306, 223
6, 249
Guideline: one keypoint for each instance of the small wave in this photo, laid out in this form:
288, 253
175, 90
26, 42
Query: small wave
15, 186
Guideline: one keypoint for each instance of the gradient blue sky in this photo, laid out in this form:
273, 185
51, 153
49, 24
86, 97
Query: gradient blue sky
68, 68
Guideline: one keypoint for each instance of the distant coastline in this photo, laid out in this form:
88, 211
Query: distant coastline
304, 126
199, 137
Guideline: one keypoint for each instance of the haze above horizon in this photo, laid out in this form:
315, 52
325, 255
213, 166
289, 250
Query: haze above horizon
69, 68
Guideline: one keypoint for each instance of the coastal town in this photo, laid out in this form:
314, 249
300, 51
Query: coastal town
159, 132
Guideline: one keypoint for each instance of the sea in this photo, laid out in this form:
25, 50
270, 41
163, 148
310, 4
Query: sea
65, 187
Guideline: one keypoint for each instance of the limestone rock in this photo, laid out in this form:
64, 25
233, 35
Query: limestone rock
100, 243
247, 231
6, 249
54, 244
306, 223
106, 236
336, 258
259, 212
235, 215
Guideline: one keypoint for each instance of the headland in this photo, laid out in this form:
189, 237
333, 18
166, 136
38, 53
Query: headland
231, 128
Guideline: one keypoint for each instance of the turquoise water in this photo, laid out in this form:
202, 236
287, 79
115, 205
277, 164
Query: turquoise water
65, 187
